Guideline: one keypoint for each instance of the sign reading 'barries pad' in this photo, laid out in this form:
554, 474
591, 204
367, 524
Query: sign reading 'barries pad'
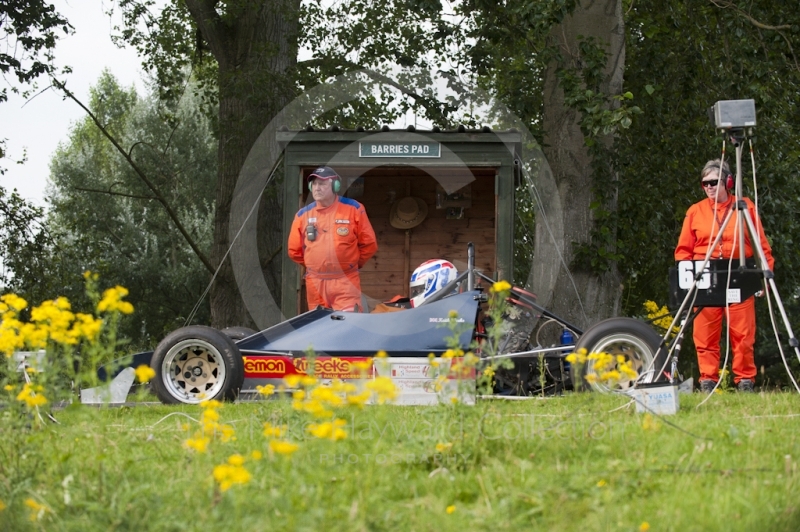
399, 149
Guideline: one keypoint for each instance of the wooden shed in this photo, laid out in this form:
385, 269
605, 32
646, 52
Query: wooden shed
465, 178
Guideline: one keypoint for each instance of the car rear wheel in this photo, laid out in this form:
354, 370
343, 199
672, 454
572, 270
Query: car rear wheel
197, 363
631, 338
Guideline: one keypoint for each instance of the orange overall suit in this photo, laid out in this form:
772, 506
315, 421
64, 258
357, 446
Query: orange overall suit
343, 241
700, 228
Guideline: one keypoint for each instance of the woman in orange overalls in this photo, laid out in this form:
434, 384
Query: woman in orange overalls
700, 229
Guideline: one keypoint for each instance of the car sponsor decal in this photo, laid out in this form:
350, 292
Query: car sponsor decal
412, 371
277, 367
333, 367
265, 367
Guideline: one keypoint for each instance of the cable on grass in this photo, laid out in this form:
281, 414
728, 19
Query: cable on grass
670, 423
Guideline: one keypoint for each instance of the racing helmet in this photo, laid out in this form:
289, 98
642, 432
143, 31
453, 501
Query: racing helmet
430, 277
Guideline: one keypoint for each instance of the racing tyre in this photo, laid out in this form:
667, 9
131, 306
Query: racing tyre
631, 338
195, 364
237, 333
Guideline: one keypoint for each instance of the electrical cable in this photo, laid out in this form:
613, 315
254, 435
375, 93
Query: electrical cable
728, 280
221, 262
759, 228
540, 203
778, 341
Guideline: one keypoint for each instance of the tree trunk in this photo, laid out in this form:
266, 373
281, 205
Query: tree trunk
585, 298
255, 50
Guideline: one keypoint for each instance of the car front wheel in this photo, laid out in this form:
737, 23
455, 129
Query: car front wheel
197, 363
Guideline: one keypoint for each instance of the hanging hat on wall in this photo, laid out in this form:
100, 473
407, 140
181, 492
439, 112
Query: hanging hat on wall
408, 212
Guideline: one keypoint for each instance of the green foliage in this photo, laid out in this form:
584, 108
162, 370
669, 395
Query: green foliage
107, 219
29, 30
681, 58
24, 241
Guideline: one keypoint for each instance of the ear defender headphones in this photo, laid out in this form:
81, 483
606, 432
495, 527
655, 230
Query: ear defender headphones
728, 178
337, 186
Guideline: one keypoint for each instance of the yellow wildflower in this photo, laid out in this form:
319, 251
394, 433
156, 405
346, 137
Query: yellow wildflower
628, 371
612, 376
601, 483
8, 388
227, 433
2, 506
453, 314
325, 394
55, 317
236, 460
13, 301
650, 423
86, 326
644, 527
271, 431
358, 399
209, 415
383, 388
330, 430
211, 404
37, 510
112, 301
363, 366
199, 444
450, 509
231, 473
31, 395
501, 286
282, 447
144, 373
267, 390
256, 455
443, 447
292, 380
489, 372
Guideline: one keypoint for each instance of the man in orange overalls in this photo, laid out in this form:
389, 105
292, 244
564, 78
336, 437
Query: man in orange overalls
332, 238
700, 228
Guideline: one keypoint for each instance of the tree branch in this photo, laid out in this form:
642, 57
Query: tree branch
432, 107
269, 259
724, 4
112, 193
210, 24
158, 196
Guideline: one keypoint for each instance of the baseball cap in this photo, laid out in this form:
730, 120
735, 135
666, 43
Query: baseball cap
323, 172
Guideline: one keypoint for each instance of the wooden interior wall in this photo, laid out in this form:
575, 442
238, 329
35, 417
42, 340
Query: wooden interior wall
385, 275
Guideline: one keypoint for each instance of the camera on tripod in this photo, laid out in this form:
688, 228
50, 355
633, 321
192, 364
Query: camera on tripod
733, 114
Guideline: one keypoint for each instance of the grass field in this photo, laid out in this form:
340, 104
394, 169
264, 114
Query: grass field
577, 462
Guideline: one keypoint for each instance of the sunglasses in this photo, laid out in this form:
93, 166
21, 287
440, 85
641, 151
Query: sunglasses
709, 183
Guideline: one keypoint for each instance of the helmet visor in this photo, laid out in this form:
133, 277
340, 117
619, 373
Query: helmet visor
414, 291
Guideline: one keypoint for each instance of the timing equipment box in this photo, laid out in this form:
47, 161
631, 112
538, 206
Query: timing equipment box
734, 114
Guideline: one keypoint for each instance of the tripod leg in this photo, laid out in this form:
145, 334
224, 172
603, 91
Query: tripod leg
770, 279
